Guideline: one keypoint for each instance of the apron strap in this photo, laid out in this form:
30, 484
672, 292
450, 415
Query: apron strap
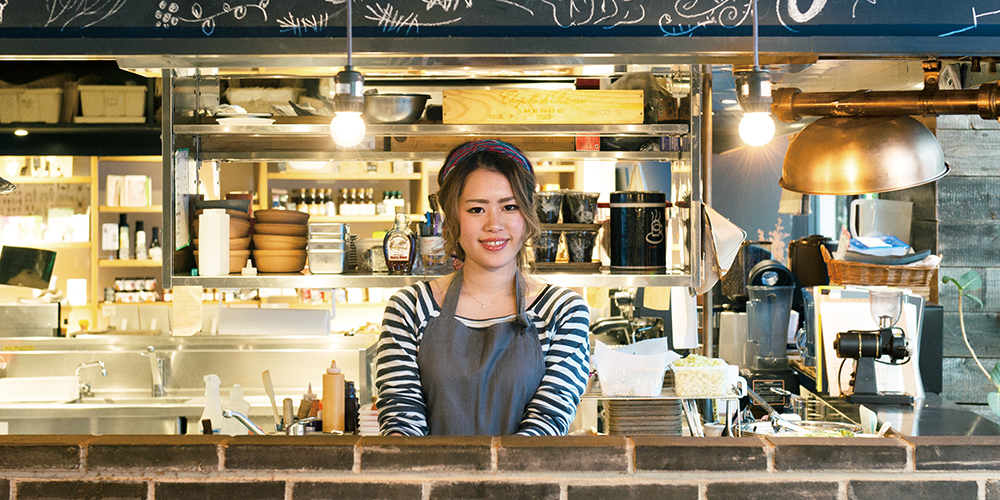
450, 304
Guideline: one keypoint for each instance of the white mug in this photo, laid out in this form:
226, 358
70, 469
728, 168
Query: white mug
880, 218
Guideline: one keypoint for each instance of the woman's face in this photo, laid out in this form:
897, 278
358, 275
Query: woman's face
491, 223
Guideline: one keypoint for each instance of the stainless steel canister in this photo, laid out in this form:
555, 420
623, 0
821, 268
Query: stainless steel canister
638, 231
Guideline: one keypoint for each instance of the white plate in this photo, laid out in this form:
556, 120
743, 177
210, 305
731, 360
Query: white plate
245, 121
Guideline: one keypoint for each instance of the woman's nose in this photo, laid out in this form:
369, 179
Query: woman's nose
493, 221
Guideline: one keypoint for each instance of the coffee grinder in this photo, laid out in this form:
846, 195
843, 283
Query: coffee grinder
768, 311
866, 347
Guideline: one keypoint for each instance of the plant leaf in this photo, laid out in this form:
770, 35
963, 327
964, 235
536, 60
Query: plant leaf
995, 374
971, 281
993, 399
973, 297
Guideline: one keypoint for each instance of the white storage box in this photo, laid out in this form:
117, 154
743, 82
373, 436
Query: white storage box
260, 99
39, 389
30, 105
700, 381
635, 370
112, 104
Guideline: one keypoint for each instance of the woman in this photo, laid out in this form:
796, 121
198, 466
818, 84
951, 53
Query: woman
485, 350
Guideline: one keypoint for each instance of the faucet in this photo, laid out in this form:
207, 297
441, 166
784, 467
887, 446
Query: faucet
157, 368
243, 419
85, 389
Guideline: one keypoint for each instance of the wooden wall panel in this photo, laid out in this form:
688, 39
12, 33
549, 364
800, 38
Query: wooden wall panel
971, 152
983, 330
964, 198
969, 244
965, 122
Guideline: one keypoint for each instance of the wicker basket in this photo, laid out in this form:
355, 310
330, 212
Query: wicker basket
921, 279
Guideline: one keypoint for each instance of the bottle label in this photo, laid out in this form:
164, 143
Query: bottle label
398, 248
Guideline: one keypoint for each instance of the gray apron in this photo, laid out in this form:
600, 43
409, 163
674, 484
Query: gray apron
478, 381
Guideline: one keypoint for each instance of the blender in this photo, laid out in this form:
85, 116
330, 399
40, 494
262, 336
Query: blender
766, 357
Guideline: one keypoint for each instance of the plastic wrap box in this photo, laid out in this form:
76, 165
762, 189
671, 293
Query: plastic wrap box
112, 104
30, 105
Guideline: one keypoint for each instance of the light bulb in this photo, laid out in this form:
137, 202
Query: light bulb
756, 129
347, 128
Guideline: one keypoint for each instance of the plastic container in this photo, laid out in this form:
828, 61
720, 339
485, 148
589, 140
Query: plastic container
333, 399
30, 105
700, 381
213, 243
547, 206
580, 245
546, 245
329, 229
213, 403
327, 261
632, 382
231, 426
579, 207
118, 103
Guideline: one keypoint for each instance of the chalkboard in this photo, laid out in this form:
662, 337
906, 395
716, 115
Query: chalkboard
216, 19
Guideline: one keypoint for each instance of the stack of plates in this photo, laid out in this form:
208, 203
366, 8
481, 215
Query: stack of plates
643, 416
279, 240
368, 421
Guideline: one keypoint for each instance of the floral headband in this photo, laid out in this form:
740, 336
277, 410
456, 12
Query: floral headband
471, 148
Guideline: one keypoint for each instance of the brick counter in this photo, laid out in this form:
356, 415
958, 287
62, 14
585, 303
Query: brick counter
571, 468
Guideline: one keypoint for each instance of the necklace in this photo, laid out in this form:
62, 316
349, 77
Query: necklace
481, 302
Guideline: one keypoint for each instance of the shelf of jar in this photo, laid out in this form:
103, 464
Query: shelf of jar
151, 209
79, 179
308, 176
299, 280
226, 152
129, 263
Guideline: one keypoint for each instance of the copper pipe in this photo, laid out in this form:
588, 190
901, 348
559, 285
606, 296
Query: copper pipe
791, 104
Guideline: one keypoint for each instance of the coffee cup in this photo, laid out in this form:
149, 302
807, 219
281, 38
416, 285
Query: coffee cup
881, 218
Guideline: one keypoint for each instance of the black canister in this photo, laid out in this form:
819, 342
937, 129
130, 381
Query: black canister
638, 231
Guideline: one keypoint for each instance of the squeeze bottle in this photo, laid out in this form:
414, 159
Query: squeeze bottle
333, 399
213, 405
231, 426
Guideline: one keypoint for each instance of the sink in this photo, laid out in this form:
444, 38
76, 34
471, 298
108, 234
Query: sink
131, 400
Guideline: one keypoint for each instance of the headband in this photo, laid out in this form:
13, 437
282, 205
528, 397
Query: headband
470, 148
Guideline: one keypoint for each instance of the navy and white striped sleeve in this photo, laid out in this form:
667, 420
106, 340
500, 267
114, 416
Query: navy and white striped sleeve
566, 348
397, 379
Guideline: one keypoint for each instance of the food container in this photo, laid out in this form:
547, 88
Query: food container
814, 428
546, 245
638, 231
700, 381
579, 207
548, 205
327, 243
580, 245
636, 370
329, 229
327, 261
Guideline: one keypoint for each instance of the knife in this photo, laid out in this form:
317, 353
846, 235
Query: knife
269, 389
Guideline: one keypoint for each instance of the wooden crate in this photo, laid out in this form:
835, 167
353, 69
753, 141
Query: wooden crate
445, 144
518, 106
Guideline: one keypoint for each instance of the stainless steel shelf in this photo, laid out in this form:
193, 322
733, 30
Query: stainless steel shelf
308, 130
435, 155
604, 279
666, 393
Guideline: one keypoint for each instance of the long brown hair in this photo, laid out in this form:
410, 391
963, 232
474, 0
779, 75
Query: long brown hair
492, 156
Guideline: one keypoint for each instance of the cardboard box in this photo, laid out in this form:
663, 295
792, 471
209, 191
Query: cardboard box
445, 144
30, 105
112, 104
517, 106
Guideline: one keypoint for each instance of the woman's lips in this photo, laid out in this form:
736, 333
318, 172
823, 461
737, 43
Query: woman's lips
494, 245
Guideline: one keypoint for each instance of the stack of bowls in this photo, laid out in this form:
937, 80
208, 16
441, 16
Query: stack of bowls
328, 247
239, 236
279, 240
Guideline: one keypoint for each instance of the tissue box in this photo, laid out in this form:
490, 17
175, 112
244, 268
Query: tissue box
700, 381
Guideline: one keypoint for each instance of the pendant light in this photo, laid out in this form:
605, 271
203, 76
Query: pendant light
347, 127
753, 92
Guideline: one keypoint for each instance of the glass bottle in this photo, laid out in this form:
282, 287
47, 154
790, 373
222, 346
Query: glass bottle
155, 250
399, 245
300, 204
355, 202
328, 204
344, 210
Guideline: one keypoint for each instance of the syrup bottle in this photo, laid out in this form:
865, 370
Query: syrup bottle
399, 245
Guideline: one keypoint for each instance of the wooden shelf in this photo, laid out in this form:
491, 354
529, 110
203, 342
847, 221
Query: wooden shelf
152, 209
50, 180
307, 176
129, 263
55, 245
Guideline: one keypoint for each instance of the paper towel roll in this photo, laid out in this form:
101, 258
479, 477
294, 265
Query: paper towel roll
213, 242
186, 318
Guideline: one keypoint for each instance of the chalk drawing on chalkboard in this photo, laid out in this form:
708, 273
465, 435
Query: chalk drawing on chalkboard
392, 20
167, 14
451, 5
79, 13
567, 14
975, 22
3, 4
299, 25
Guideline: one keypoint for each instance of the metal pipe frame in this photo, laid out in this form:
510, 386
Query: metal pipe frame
791, 104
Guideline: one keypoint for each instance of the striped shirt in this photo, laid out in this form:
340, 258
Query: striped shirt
562, 320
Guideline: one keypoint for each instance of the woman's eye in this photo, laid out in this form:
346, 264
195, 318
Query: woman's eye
476, 210
510, 208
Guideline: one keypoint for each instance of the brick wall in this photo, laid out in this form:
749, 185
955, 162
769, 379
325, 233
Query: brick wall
571, 468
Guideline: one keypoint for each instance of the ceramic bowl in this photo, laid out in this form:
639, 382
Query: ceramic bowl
237, 259
231, 213
234, 243
277, 216
280, 229
238, 228
278, 242
280, 261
